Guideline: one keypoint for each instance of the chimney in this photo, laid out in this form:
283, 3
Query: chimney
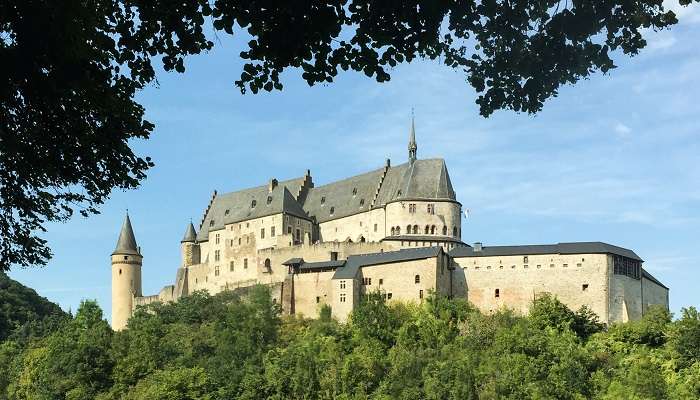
272, 185
477, 247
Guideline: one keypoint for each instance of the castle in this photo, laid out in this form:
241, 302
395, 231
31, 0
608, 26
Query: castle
397, 230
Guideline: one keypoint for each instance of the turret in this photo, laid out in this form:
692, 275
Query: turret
126, 275
189, 248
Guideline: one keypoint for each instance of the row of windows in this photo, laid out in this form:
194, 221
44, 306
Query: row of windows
368, 281
526, 266
430, 208
497, 292
428, 230
232, 266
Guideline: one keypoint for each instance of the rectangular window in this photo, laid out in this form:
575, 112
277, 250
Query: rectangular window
289, 230
245, 263
566, 265
262, 233
381, 281
525, 260
272, 231
216, 271
217, 255
388, 295
579, 265
342, 284
420, 294
342, 297
318, 299
334, 255
218, 238
230, 266
497, 293
375, 227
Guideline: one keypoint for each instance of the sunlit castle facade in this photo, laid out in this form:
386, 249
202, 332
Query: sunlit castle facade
396, 230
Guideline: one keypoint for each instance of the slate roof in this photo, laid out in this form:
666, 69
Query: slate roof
235, 207
354, 263
339, 196
559, 248
309, 266
190, 234
422, 179
126, 244
650, 277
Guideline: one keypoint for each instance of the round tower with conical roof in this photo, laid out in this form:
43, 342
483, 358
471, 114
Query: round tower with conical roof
189, 248
126, 275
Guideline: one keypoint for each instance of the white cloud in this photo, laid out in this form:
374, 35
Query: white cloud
622, 129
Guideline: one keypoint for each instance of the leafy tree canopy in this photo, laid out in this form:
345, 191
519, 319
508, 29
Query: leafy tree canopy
23, 313
232, 347
70, 71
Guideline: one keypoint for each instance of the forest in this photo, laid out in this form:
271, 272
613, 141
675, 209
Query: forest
231, 347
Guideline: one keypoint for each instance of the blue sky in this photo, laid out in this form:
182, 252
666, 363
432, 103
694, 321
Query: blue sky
615, 158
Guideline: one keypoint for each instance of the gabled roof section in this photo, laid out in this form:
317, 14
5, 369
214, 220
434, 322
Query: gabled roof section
346, 197
252, 203
559, 248
354, 263
126, 244
419, 180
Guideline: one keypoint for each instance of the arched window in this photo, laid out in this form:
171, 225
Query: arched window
454, 231
444, 230
417, 279
393, 231
408, 228
268, 264
432, 230
398, 230
253, 204
427, 229
362, 239
415, 229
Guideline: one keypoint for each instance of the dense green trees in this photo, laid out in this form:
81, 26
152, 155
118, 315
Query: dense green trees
225, 347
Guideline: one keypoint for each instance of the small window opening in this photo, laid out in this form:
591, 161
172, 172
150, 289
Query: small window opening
497, 293
417, 278
584, 287
253, 204
269, 199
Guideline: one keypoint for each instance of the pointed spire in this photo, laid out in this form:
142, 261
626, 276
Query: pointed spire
412, 146
127, 242
190, 234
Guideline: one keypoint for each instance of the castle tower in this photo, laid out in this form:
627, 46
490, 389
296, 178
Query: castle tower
126, 275
412, 146
189, 248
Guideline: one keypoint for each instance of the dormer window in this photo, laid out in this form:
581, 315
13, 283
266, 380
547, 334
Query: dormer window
226, 212
253, 204
211, 223
269, 200
398, 193
323, 199
354, 191
332, 210
362, 202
